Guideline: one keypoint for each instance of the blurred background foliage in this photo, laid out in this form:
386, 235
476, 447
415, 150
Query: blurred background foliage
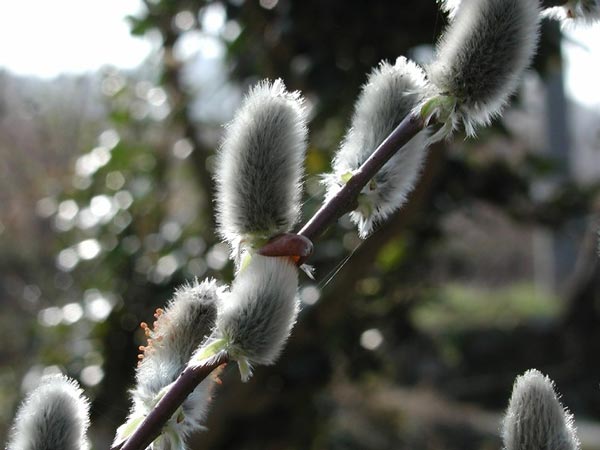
410, 339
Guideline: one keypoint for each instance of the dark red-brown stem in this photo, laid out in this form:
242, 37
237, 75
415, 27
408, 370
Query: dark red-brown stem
153, 424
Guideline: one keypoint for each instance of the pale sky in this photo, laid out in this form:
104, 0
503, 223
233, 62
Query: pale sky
582, 57
50, 37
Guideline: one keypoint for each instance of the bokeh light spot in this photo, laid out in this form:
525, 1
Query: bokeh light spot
88, 249
91, 375
309, 295
371, 339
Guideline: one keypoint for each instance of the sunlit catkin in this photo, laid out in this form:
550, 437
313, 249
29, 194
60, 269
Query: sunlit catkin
177, 332
480, 61
54, 416
257, 316
535, 419
260, 166
390, 94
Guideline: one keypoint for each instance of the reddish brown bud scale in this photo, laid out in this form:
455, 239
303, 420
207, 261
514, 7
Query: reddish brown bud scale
288, 244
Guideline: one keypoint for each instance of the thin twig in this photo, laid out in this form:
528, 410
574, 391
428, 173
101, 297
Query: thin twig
153, 424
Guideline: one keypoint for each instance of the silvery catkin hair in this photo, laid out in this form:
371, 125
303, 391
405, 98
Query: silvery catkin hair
184, 324
482, 56
260, 166
390, 94
257, 316
535, 419
54, 416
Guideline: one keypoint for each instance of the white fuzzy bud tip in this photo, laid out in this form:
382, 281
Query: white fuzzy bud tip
390, 94
535, 419
482, 56
260, 165
257, 316
54, 416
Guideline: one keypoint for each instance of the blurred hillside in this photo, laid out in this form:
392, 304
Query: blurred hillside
410, 339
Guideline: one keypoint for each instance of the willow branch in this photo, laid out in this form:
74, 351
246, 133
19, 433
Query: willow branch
191, 377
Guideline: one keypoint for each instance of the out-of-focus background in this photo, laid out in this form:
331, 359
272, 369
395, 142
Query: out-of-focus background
110, 113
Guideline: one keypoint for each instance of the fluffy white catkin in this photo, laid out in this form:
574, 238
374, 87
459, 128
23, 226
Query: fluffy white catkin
54, 416
535, 419
260, 166
182, 327
256, 317
576, 11
390, 94
482, 56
